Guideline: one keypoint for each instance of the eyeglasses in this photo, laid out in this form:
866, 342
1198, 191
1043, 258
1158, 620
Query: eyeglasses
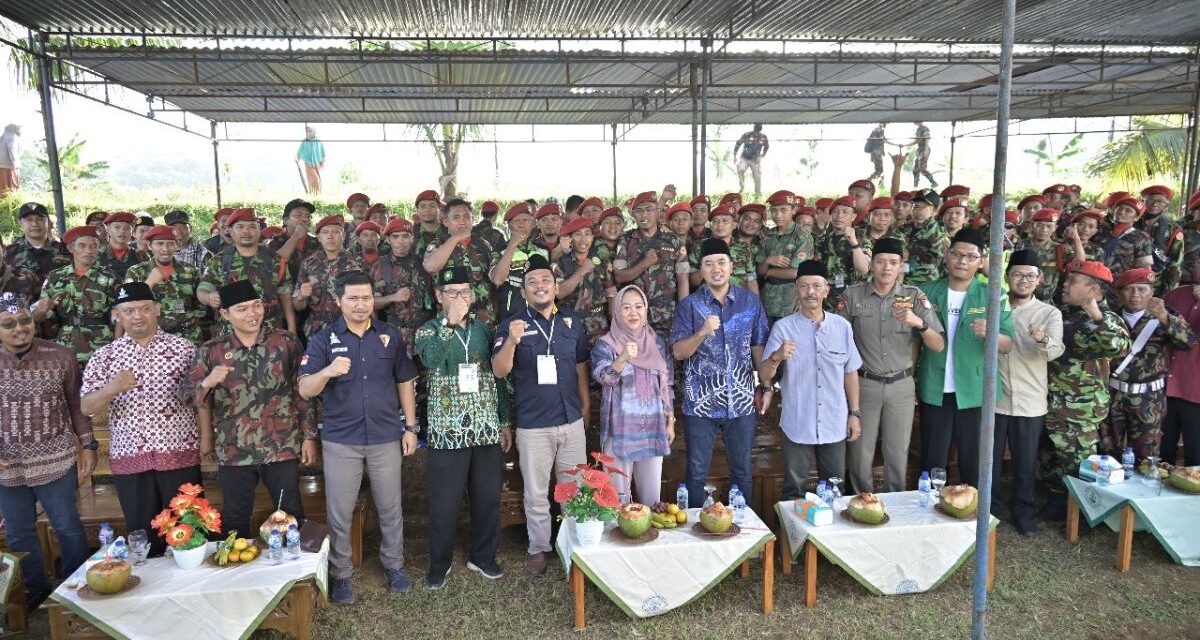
461, 295
1025, 277
11, 323
969, 257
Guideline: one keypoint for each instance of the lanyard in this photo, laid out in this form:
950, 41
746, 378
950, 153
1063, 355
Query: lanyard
549, 338
464, 341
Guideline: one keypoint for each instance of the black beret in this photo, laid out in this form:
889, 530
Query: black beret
536, 262
811, 268
929, 196
133, 292
1022, 258
888, 245
236, 293
712, 247
177, 216
969, 236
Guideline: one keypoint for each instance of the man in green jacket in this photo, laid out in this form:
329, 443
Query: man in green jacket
950, 382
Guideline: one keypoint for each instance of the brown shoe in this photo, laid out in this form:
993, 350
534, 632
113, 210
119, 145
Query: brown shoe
537, 564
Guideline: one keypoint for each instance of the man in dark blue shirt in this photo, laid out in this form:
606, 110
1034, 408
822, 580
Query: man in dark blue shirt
360, 369
545, 349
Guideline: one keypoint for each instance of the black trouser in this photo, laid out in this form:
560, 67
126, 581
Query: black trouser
448, 473
1022, 435
144, 495
238, 484
798, 461
940, 426
1182, 419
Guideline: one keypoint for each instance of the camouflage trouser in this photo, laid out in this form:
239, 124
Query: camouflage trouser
596, 325
877, 160
1072, 429
1134, 420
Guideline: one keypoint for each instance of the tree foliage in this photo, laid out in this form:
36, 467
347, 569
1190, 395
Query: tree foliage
1157, 148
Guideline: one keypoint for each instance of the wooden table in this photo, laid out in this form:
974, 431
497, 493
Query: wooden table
1124, 534
1170, 515
293, 615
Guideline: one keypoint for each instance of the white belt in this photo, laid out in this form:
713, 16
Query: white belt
1137, 387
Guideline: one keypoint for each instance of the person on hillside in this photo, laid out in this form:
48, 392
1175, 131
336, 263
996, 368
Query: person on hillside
310, 158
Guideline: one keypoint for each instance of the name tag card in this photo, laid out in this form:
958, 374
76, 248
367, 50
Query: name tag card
547, 371
468, 378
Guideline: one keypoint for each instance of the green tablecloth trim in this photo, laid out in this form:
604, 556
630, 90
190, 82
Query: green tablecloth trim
1092, 522
1139, 515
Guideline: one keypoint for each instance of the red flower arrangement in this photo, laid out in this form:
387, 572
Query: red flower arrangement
186, 523
589, 494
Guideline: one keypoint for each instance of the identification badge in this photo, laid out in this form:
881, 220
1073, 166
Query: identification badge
179, 307
839, 281
547, 371
468, 378
902, 302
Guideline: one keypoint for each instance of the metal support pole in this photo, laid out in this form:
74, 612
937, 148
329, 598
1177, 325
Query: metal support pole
953, 137
695, 146
216, 160
60, 209
614, 163
991, 342
706, 79
1192, 178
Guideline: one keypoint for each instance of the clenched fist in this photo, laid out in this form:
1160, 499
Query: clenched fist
711, 324
124, 381
216, 376
630, 352
516, 329
785, 351
339, 367
306, 289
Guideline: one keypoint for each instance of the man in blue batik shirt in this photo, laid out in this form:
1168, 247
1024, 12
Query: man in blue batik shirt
719, 333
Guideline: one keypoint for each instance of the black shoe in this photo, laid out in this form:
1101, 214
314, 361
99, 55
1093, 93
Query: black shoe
1027, 528
435, 580
487, 570
34, 597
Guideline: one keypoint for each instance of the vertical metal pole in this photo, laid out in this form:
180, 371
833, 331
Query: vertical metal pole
706, 78
695, 143
216, 160
616, 203
991, 344
44, 71
1193, 175
953, 137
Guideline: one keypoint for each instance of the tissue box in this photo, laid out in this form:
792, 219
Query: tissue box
814, 511
1090, 468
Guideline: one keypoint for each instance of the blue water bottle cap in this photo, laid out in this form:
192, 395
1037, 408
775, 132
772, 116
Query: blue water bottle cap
924, 475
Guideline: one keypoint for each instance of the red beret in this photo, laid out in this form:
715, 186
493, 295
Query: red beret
865, 185
1012, 217
845, 201
642, 198
98, 216
120, 216
979, 220
1091, 268
985, 203
700, 199
548, 209
1130, 201
678, 207
611, 212
212, 228
752, 207
159, 232
951, 203
1111, 200
1076, 188
1158, 190
881, 203
241, 215
903, 196
720, 210
1060, 189
578, 224
1046, 215
955, 191
1034, 198
1194, 201
378, 207
1096, 214
732, 199
591, 202
272, 231
368, 225
784, 197
1143, 275
397, 225
489, 206
428, 194
224, 211
357, 197
804, 211
823, 203
76, 233
328, 220
518, 209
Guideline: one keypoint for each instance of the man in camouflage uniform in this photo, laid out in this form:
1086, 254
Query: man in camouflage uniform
1078, 378
486, 228
249, 409
1191, 234
32, 257
220, 239
1125, 246
295, 243
1044, 249
651, 258
174, 284
367, 240
925, 240
742, 254
461, 247
427, 216
508, 263
1138, 387
845, 260
400, 282
246, 260
120, 254
783, 249
79, 296
880, 223
610, 224
1166, 236
584, 284
318, 272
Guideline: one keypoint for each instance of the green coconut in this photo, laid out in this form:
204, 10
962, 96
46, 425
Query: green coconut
634, 519
960, 500
1185, 479
866, 508
716, 518
109, 575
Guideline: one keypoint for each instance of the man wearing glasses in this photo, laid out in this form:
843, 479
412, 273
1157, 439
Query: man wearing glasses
652, 258
950, 382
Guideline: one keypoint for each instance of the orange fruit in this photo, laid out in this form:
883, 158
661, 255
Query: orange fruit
681, 517
247, 556
234, 556
240, 544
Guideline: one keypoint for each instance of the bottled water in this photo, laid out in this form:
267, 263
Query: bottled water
1102, 473
119, 550
739, 508
275, 547
823, 492
924, 489
1127, 461
733, 493
106, 535
293, 542
681, 497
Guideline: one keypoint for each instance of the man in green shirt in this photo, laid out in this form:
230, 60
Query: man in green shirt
783, 249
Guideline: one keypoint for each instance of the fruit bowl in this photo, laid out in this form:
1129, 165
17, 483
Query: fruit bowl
247, 551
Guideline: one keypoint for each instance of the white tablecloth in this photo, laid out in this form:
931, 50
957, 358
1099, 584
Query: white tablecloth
1172, 516
914, 552
204, 603
653, 578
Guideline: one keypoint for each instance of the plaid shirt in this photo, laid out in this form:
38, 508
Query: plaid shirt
193, 253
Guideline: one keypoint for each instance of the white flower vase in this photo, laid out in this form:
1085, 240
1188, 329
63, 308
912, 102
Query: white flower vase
191, 558
589, 532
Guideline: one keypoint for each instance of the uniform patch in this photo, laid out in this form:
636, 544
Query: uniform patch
499, 341
902, 302
303, 360
385, 339
567, 321
339, 350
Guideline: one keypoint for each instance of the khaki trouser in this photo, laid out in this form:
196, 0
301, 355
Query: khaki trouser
556, 449
344, 466
887, 414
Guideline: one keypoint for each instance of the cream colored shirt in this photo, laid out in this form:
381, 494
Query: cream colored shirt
1023, 375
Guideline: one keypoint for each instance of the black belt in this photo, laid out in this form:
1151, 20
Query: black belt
87, 321
885, 379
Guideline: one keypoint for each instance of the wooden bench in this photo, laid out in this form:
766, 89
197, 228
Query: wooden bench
16, 622
98, 504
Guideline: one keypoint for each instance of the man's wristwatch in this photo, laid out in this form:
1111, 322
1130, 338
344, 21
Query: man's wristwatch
856, 413
924, 326
92, 446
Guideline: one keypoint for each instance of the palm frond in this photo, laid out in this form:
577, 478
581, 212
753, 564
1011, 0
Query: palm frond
1156, 149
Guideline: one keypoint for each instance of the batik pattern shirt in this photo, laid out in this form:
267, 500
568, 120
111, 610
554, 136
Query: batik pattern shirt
460, 419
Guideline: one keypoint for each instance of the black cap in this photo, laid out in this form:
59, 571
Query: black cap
811, 268
299, 202
237, 293
454, 275
177, 216
33, 209
712, 247
888, 245
969, 236
536, 262
145, 221
1022, 258
133, 292
928, 196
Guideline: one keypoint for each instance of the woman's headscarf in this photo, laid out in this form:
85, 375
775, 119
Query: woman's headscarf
649, 361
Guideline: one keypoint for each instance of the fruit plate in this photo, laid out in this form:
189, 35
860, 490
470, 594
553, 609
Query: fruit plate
699, 530
619, 536
87, 593
849, 518
211, 560
937, 506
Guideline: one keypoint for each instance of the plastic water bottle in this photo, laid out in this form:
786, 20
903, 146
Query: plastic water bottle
106, 535
734, 492
822, 488
681, 497
739, 508
1102, 473
275, 547
293, 542
924, 489
1127, 461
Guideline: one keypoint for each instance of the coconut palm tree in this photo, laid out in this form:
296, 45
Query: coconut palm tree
1157, 148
